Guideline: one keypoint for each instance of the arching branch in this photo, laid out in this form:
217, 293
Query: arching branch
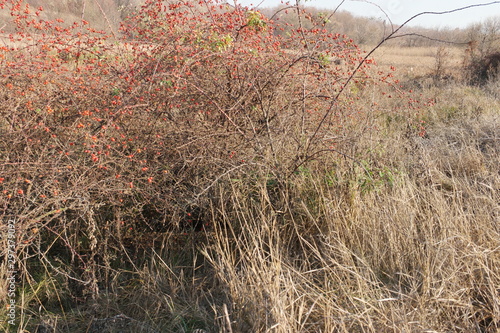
392, 35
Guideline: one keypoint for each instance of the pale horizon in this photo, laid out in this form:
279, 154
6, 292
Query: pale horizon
400, 11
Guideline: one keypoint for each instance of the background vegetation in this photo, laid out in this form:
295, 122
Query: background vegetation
204, 167
366, 31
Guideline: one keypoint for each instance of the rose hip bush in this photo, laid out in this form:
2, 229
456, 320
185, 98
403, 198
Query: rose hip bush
106, 136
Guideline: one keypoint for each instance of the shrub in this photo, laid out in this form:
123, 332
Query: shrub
484, 69
106, 139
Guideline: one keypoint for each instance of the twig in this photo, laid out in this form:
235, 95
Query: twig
383, 11
429, 38
55, 211
337, 8
310, 157
106, 18
218, 178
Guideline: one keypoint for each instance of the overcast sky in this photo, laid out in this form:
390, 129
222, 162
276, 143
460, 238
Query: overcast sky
401, 10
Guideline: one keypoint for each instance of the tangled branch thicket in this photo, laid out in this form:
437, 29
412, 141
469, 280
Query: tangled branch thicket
204, 171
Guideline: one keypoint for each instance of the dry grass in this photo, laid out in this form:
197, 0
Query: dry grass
418, 253
420, 61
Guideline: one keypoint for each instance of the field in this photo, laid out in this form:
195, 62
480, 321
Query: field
420, 61
220, 182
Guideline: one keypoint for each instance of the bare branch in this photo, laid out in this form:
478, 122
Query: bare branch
337, 8
429, 38
447, 12
280, 10
380, 8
